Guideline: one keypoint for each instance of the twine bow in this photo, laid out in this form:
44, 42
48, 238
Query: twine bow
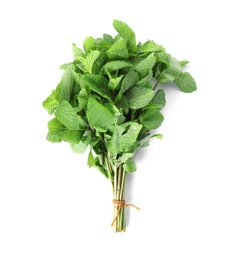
121, 204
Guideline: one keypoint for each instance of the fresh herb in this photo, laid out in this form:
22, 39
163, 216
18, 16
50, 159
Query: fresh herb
106, 102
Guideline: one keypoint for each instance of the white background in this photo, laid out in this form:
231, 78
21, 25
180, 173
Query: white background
189, 186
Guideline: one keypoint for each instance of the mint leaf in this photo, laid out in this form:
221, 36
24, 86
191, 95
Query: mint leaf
118, 50
151, 118
91, 160
114, 82
151, 46
65, 66
159, 100
130, 79
126, 33
82, 145
89, 60
122, 105
144, 82
173, 69
55, 127
101, 168
52, 101
108, 38
146, 65
183, 62
98, 84
88, 44
68, 117
115, 65
58, 132
129, 165
146, 141
139, 97
123, 137
123, 158
83, 98
76, 51
185, 82
99, 116
67, 83
79, 148
78, 79
71, 136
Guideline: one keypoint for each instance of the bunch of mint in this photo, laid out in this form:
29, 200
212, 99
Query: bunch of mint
106, 102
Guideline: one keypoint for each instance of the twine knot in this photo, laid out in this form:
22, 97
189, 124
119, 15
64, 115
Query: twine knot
121, 204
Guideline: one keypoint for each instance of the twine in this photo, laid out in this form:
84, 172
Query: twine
121, 204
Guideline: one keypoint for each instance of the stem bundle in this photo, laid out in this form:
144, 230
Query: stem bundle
119, 221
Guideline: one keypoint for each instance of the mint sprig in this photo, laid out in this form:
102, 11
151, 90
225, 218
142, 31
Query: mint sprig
106, 102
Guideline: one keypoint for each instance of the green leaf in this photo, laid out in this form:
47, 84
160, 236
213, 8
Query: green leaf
68, 117
139, 97
159, 100
123, 158
89, 61
78, 79
58, 132
173, 69
126, 33
98, 84
76, 51
83, 98
102, 45
108, 38
67, 83
146, 65
82, 145
146, 81
151, 46
65, 66
101, 168
158, 69
53, 138
130, 79
158, 136
151, 118
146, 141
52, 101
98, 64
114, 82
130, 165
79, 148
91, 160
123, 137
122, 104
115, 65
118, 50
99, 116
55, 127
185, 82
95, 162
71, 136
88, 44
183, 62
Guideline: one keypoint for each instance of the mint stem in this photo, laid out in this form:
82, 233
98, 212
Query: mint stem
155, 86
119, 191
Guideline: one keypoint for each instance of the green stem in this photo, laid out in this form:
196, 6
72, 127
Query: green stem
110, 172
122, 219
119, 191
118, 220
156, 85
